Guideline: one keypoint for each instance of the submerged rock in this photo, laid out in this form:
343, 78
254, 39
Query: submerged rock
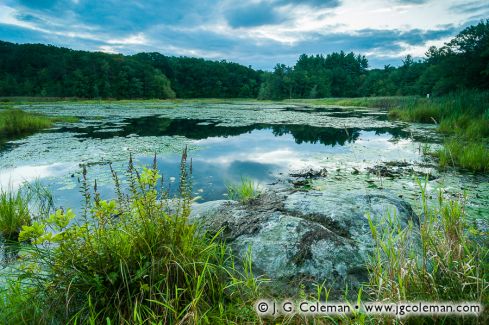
310, 173
303, 237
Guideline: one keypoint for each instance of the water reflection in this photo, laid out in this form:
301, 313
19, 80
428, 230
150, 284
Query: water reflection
202, 129
12, 178
260, 154
225, 153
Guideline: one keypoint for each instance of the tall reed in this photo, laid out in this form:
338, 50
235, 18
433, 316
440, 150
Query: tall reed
14, 213
436, 260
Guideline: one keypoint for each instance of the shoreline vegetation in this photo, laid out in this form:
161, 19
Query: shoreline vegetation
137, 259
16, 122
463, 117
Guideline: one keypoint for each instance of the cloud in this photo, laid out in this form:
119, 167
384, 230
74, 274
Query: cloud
257, 14
39, 4
312, 3
252, 32
416, 2
475, 7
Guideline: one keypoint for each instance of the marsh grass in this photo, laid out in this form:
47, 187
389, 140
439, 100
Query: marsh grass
433, 261
372, 102
14, 213
135, 259
465, 126
463, 116
461, 106
15, 122
244, 191
473, 156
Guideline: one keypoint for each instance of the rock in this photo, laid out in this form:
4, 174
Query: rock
201, 211
310, 173
394, 169
303, 237
383, 171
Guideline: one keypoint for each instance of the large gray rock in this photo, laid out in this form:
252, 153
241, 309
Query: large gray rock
303, 237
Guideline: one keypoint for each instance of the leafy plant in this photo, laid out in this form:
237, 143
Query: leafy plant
132, 259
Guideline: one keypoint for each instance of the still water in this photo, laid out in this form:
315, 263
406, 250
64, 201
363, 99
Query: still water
264, 142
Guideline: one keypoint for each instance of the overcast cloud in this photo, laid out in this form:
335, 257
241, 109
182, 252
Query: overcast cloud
260, 33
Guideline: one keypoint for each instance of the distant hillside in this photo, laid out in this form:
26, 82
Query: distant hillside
49, 71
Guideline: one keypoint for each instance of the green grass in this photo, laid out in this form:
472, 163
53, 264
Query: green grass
473, 156
14, 213
455, 112
245, 191
435, 261
465, 126
465, 112
464, 118
15, 122
372, 102
469, 103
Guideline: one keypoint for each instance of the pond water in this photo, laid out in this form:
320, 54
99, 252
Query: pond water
359, 148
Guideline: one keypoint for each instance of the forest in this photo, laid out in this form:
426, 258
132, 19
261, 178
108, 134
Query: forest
49, 71
463, 63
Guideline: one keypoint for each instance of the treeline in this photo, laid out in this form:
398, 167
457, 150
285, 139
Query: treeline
199, 78
49, 71
463, 63
336, 75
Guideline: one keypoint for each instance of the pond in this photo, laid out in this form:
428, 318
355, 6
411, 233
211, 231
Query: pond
360, 149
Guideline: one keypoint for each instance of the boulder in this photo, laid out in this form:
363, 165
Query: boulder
303, 237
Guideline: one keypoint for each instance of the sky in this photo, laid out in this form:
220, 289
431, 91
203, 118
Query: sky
260, 33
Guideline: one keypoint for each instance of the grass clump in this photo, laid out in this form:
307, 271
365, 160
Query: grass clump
135, 259
245, 191
20, 207
424, 113
15, 122
14, 213
473, 156
465, 126
437, 261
